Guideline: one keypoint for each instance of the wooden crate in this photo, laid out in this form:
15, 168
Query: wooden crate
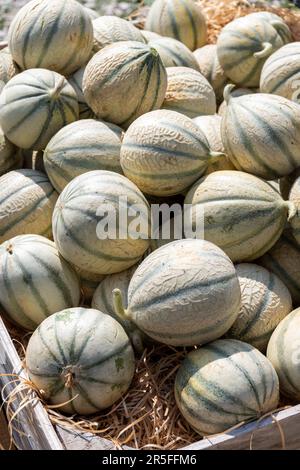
36, 432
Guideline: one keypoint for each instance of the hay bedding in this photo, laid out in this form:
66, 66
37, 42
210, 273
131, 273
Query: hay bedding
147, 416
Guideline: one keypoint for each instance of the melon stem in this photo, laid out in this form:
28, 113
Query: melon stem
292, 210
265, 52
119, 306
214, 156
227, 92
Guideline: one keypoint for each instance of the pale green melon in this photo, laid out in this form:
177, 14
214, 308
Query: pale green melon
110, 29
75, 80
174, 53
10, 157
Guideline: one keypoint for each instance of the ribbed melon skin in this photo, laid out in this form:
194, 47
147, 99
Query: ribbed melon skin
283, 259
174, 53
10, 157
35, 281
34, 105
189, 93
150, 35
210, 67
283, 352
184, 293
211, 127
82, 358
8, 69
281, 73
164, 152
51, 34
123, 81
179, 19
27, 200
235, 93
266, 301
257, 126
243, 214
224, 383
110, 29
237, 43
78, 205
92, 13
80, 147
277, 22
75, 80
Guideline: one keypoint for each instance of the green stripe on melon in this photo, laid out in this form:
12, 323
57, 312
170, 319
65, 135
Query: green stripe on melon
10, 157
283, 352
8, 68
80, 358
257, 126
265, 302
179, 19
110, 29
75, 80
173, 53
189, 93
78, 207
35, 281
80, 147
34, 105
122, 70
179, 295
224, 383
51, 34
27, 200
243, 214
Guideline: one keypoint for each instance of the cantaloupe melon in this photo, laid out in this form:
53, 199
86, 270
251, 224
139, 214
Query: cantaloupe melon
80, 359
189, 93
179, 19
241, 213
110, 29
223, 384
8, 68
34, 105
150, 35
211, 127
75, 80
261, 134
123, 81
10, 157
210, 67
35, 281
173, 53
164, 152
277, 22
84, 203
281, 73
27, 200
235, 93
283, 352
51, 34
244, 45
265, 302
80, 147
92, 13
185, 293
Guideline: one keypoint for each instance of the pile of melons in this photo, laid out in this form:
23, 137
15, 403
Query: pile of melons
92, 110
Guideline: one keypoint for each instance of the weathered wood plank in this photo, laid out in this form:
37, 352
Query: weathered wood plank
4, 435
265, 434
34, 429
84, 441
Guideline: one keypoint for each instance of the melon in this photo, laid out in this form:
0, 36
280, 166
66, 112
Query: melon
8, 68
81, 360
225, 383
211, 128
173, 53
164, 152
34, 105
283, 352
27, 201
210, 67
281, 73
150, 35
92, 13
10, 157
183, 294
123, 81
189, 93
84, 203
265, 302
294, 198
277, 22
244, 45
75, 80
89, 283
35, 281
51, 34
234, 94
261, 134
179, 19
167, 232
240, 213
110, 29
80, 147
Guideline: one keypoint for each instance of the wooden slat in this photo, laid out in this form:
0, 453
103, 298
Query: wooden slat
266, 434
35, 431
4, 435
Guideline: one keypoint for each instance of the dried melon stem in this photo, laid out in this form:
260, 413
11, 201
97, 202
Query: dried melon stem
227, 92
265, 52
119, 306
